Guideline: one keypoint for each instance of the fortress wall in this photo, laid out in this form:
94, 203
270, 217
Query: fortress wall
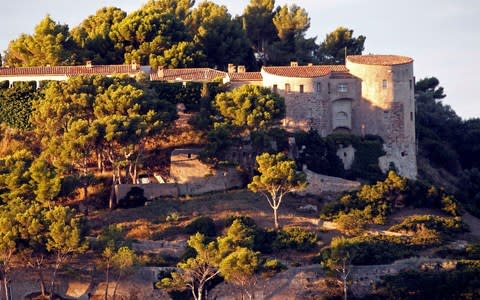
386, 109
318, 184
313, 107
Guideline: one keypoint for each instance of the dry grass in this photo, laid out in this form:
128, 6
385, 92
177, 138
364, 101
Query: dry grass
149, 222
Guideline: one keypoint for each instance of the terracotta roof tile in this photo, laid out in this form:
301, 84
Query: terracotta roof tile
246, 76
193, 74
305, 71
382, 60
70, 70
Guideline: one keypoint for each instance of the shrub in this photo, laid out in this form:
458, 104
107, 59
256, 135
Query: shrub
459, 283
319, 154
352, 223
245, 220
443, 225
113, 236
374, 201
295, 238
203, 225
370, 250
264, 239
274, 265
172, 217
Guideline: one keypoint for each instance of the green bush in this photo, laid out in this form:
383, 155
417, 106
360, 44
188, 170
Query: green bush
319, 154
375, 201
443, 225
418, 194
245, 220
16, 104
367, 151
352, 223
203, 225
372, 250
172, 217
264, 239
295, 238
469, 252
273, 265
463, 282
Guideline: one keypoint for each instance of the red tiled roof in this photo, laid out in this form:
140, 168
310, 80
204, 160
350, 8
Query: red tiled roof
246, 76
305, 71
382, 60
193, 74
70, 70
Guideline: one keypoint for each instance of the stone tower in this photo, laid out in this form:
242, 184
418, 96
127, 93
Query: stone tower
387, 107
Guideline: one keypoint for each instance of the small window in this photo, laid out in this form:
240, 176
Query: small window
384, 84
329, 90
301, 88
411, 116
275, 88
319, 87
411, 84
189, 155
342, 88
287, 87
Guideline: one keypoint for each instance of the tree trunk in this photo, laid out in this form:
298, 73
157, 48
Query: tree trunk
6, 287
107, 281
42, 282
275, 216
111, 198
200, 292
99, 162
116, 286
85, 191
52, 284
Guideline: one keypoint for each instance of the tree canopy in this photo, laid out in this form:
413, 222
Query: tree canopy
93, 36
278, 177
338, 44
50, 44
250, 108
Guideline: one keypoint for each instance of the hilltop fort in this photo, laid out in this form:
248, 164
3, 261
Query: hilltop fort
370, 94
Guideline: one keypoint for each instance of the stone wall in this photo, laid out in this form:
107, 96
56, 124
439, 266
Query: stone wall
318, 184
387, 109
190, 176
313, 108
218, 180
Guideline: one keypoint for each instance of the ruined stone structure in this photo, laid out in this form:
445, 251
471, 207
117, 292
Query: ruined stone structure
370, 94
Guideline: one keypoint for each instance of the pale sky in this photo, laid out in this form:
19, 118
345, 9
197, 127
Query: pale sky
442, 36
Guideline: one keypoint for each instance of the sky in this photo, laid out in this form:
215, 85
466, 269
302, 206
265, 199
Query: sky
442, 36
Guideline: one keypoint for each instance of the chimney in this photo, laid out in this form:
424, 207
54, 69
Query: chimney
134, 66
294, 64
89, 64
160, 72
231, 68
241, 69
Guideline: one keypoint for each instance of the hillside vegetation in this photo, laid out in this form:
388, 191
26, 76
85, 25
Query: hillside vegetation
65, 145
